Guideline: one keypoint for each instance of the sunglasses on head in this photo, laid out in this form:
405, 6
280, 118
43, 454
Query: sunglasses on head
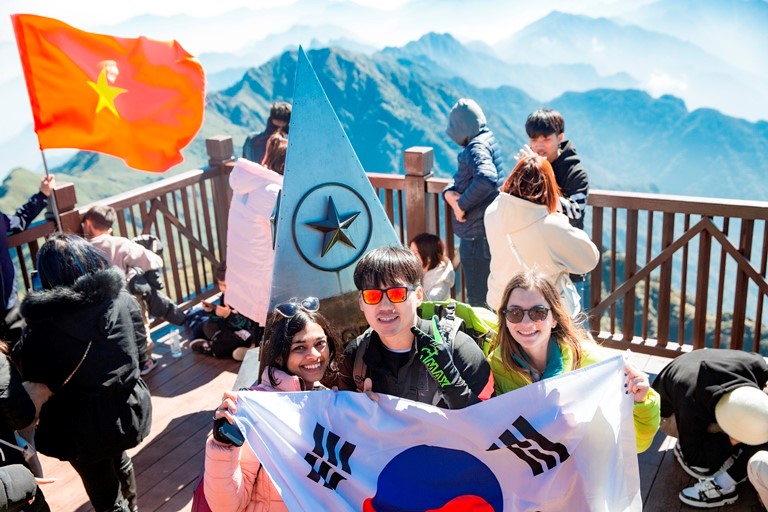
289, 309
395, 294
536, 314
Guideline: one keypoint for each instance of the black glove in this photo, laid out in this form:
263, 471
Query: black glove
435, 356
154, 279
138, 285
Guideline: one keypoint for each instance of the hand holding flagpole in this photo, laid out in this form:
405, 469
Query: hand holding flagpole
47, 187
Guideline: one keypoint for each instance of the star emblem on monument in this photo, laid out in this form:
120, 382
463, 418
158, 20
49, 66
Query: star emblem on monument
334, 227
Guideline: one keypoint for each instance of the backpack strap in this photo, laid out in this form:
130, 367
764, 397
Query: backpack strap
449, 323
359, 368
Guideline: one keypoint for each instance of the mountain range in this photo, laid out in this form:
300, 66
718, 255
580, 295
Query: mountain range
604, 73
389, 101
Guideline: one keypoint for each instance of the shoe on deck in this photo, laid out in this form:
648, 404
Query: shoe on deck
694, 471
239, 353
707, 494
148, 367
201, 346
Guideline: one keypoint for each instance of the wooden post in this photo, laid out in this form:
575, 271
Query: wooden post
220, 150
420, 217
220, 153
66, 200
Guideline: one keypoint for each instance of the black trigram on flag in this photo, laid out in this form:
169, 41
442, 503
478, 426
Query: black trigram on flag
535, 449
328, 458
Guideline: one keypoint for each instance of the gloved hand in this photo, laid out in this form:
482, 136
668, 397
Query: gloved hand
154, 279
138, 285
570, 209
433, 354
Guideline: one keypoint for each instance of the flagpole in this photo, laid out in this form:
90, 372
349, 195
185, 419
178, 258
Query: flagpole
52, 195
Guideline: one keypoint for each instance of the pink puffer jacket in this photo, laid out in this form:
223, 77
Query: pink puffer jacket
234, 480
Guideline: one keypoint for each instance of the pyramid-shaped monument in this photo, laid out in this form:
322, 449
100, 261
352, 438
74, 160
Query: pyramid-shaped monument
328, 214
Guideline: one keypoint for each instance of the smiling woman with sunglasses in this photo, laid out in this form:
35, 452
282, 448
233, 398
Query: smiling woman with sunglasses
386, 358
539, 340
300, 352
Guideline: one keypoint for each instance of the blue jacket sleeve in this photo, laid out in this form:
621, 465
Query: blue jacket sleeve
484, 180
19, 221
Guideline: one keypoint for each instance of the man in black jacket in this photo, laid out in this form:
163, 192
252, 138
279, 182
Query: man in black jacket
714, 402
256, 143
401, 354
546, 133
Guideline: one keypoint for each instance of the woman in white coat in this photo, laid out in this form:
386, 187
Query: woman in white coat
250, 253
525, 230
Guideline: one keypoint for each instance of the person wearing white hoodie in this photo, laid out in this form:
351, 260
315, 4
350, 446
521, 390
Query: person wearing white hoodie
250, 250
525, 230
439, 275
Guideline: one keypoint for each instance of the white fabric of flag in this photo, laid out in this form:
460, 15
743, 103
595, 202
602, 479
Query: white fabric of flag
565, 443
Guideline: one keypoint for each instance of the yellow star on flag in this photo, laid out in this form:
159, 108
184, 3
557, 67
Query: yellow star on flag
106, 92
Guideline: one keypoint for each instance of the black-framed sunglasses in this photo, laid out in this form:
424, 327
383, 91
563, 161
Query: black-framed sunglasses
289, 309
536, 314
395, 294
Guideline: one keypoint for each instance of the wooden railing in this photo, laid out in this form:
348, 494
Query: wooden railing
187, 212
658, 251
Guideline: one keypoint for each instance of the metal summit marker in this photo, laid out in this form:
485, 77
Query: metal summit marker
329, 214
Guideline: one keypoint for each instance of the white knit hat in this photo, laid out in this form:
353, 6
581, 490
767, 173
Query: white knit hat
743, 415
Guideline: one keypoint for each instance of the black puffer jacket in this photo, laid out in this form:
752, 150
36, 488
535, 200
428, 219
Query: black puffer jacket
16, 410
105, 408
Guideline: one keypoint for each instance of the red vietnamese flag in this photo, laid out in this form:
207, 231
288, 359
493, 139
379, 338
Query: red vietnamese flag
137, 99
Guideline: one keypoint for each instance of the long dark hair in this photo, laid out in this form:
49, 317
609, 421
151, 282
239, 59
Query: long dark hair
65, 257
275, 350
430, 247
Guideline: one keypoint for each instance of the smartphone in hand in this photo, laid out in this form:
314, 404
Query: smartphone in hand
232, 433
37, 284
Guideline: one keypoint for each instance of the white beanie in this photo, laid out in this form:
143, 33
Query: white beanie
743, 415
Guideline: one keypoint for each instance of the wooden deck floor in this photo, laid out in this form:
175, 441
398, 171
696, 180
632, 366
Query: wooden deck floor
186, 391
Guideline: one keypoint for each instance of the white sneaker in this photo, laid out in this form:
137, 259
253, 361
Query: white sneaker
239, 353
700, 472
148, 367
694, 471
707, 494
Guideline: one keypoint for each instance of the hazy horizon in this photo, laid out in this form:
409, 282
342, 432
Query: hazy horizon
400, 22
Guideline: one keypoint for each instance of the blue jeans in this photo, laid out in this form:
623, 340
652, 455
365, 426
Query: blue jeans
476, 263
583, 288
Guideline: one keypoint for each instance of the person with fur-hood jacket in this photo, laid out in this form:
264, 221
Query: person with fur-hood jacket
474, 186
84, 343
